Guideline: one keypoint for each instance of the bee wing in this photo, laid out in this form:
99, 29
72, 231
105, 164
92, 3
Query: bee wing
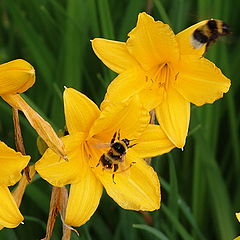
102, 145
196, 43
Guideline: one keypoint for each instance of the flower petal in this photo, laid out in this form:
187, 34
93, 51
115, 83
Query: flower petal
184, 40
151, 96
80, 111
200, 81
42, 127
16, 77
113, 54
131, 118
238, 216
124, 86
137, 188
59, 172
12, 163
10, 215
83, 200
152, 42
153, 142
173, 116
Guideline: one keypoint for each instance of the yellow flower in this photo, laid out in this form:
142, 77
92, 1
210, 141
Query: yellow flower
12, 164
16, 77
165, 70
238, 218
135, 185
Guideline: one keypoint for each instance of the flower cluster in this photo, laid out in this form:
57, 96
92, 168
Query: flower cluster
106, 148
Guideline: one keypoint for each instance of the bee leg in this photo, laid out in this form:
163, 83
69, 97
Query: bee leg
124, 170
98, 164
131, 164
113, 178
115, 168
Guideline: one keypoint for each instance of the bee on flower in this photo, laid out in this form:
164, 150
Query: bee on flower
101, 153
167, 71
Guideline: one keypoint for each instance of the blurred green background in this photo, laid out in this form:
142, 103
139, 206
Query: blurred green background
200, 186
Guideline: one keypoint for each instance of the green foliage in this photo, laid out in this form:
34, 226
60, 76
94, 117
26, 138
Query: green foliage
200, 186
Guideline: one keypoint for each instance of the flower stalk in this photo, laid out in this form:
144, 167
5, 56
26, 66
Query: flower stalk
58, 204
19, 140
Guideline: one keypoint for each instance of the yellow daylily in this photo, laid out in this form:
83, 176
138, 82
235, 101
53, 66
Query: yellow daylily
135, 186
12, 163
165, 70
16, 77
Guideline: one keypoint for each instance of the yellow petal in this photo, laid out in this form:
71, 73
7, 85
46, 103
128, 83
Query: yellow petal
42, 127
152, 42
152, 96
16, 77
237, 238
137, 188
124, 86
113, 54
173, 116
200, 81
238, 216
130, 118
80, 111
10, 215
20, 189
153, 142
59, 172
12, 163
83, 200
184, 40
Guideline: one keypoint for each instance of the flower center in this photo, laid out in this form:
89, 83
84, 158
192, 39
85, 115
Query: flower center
109, 157
162, 76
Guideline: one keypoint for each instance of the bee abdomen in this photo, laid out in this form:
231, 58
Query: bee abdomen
106, 161
199, 36
113, 156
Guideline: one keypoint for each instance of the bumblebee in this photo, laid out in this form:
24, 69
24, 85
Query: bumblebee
116, 154
209, 33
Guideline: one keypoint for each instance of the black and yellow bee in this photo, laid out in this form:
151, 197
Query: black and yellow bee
209, 33
116, 154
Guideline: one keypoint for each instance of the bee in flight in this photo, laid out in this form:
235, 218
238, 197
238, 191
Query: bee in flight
209, 33
116, 154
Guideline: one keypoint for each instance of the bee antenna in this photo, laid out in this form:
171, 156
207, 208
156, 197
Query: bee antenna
132, 145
